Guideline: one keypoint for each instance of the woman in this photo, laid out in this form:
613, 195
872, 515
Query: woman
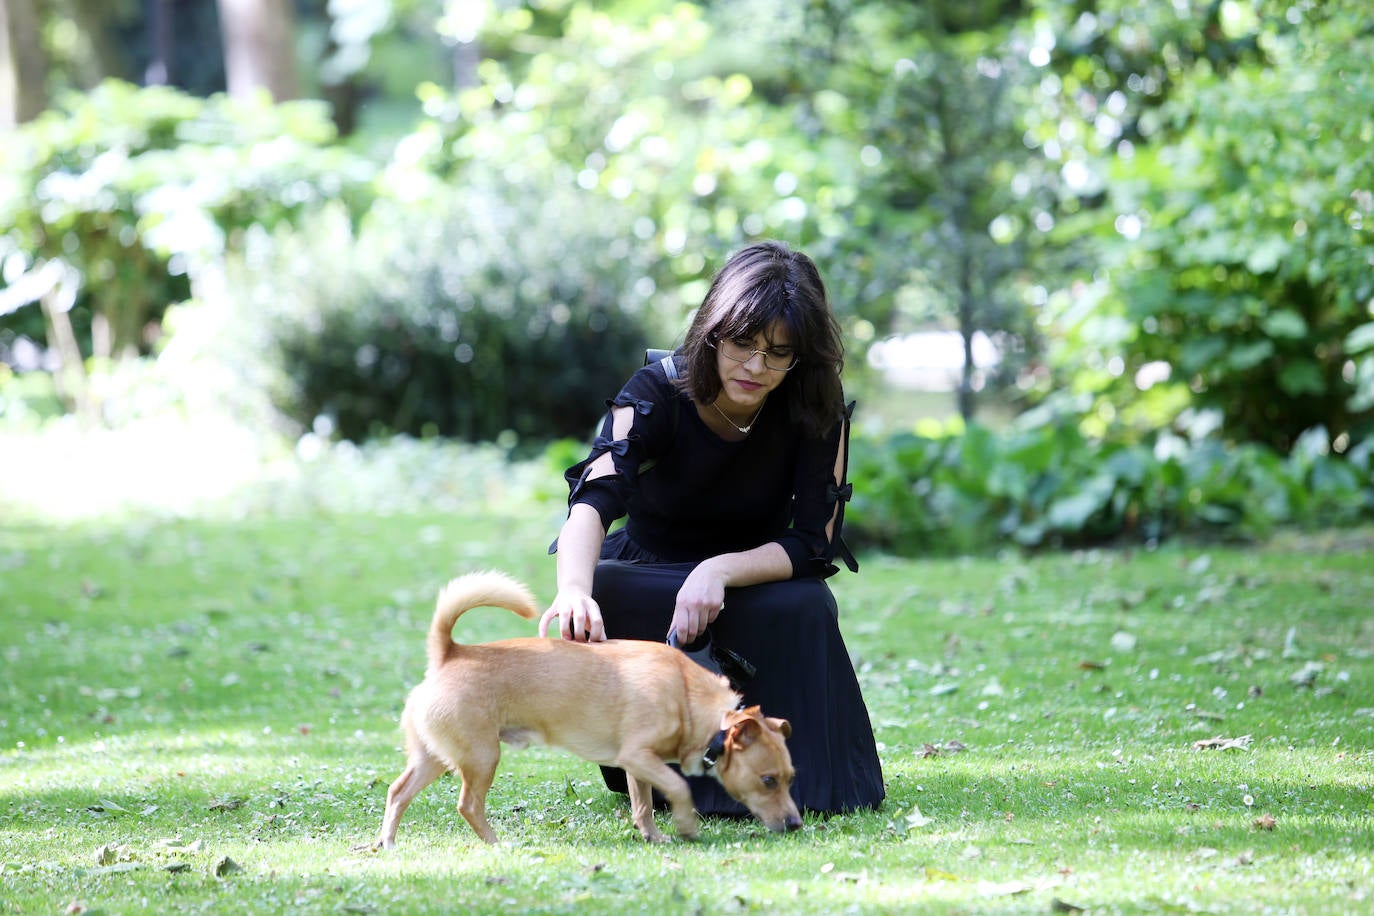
728, 461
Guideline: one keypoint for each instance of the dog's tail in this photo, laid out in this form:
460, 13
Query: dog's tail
480, 589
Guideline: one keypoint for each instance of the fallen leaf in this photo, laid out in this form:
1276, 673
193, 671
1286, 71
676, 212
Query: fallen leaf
1290, 643
226, 804
916, 818
109, 855
934, 750
1221, 744
1123, 641
939, 874
1265, 822
116, 869
224, 866
1208, 716
1306, 676
180, 845
1002, 888
106, 806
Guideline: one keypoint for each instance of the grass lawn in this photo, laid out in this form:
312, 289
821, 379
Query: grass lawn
201, 716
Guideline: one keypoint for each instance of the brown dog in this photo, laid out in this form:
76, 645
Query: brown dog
626, 703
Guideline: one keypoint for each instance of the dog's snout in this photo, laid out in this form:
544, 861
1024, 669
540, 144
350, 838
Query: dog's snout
791, 822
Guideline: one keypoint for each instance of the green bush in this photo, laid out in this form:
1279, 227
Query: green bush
485, 309
1044, 483
1235, 243
134, 189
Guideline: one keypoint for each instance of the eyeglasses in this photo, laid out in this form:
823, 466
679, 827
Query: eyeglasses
779, 359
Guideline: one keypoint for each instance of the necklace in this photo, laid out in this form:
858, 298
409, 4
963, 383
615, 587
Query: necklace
744, 430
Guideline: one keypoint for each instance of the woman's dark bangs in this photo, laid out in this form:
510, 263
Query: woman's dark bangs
763, 306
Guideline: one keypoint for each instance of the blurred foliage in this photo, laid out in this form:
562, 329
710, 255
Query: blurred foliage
134, 191
492, 309
864, 132
1160, 212
1044, 483
1233, 233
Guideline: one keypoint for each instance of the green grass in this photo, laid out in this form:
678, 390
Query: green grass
183, 694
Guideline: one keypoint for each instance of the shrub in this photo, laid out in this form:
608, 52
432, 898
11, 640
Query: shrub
490, 308
1044, 483
124, 195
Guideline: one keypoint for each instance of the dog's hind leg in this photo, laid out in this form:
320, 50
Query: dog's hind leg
478, 770
422, 768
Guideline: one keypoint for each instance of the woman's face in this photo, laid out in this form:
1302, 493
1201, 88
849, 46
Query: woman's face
751, 367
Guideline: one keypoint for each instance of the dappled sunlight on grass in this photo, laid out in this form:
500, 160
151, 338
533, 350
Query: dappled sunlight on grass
195, 690
167, 465
211, 466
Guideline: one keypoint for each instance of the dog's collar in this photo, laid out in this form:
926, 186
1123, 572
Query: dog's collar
714, 750
711, 756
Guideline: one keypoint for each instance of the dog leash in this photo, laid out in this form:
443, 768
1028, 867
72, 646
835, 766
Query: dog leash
717, 659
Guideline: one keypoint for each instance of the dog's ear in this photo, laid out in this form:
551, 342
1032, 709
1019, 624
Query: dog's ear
742, 726
742, 732
780, 725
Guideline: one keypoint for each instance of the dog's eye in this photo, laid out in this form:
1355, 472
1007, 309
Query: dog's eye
770, 782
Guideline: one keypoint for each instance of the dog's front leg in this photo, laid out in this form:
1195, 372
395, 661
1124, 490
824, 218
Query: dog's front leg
647, 772
642, 810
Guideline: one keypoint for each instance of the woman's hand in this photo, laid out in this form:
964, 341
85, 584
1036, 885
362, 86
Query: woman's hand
699, 602
578, 616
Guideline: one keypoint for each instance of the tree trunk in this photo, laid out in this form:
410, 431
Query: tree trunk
259, 52
97, 22
23, 64
968, 326
158, 72
343, 92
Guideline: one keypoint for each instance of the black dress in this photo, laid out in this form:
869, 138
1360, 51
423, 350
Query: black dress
686, 495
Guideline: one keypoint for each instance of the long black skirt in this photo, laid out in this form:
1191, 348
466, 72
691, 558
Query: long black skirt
789, 631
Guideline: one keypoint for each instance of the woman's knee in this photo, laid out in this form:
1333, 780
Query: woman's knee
798, 600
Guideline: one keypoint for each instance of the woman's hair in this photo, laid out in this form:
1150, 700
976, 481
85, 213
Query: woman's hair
764, 283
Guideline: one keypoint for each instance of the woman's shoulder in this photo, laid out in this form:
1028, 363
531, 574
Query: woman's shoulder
652, 381
652, 394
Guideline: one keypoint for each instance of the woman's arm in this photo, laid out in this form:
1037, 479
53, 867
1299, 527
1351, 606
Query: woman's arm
702, 596
820, 492
807, 547
579, 547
